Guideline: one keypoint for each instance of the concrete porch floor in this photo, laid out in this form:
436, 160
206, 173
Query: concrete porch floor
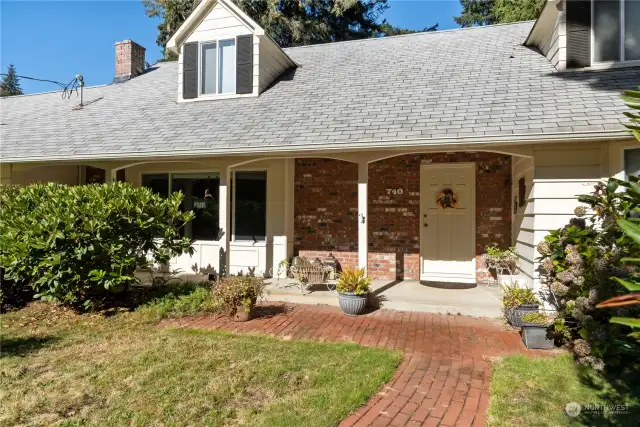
406, 295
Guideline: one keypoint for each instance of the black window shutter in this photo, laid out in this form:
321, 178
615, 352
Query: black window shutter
244, 64
578, 33
190, 71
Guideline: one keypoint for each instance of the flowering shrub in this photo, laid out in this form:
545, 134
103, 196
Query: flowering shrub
577, 264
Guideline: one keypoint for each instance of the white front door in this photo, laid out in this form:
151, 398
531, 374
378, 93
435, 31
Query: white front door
447, 234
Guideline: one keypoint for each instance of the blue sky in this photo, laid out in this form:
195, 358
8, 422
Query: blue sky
55, 40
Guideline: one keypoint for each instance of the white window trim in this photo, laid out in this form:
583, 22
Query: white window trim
234, 204
611, 64
170, 174
216, 95
623, 167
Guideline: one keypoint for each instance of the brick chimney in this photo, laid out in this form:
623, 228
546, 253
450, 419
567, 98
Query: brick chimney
129, 60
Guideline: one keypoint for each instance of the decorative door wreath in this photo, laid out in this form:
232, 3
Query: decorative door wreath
447, 199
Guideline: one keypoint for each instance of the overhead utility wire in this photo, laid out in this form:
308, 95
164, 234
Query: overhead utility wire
67, 88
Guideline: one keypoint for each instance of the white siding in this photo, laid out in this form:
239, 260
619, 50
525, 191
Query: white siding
273, 62
219, 24
63, 174
522, 225
555, 46
561, 173
616, 157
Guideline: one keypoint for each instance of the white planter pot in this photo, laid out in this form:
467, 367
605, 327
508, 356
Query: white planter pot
510, 279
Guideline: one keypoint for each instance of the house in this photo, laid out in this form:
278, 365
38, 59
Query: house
404, 155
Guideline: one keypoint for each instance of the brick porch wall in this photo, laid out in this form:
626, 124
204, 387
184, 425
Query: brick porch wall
394, 219
326, 209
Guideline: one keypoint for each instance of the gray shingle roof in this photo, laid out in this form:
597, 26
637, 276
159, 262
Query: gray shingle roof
477, 84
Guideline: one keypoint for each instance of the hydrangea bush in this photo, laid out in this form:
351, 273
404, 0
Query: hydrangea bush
577, 264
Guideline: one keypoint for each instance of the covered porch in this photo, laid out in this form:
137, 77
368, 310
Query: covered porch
380, 211
376, 210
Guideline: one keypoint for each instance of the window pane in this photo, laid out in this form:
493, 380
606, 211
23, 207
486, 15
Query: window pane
227, 83
632, 162
631, 30
606, 30
209, 58
159, 183
250, 206
202, 197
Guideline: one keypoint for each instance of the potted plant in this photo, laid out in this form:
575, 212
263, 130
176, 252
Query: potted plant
504, 263
353, 287
237, 296
517, 301
535, 330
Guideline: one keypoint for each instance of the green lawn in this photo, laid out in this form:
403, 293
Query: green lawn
58, 367
534, 392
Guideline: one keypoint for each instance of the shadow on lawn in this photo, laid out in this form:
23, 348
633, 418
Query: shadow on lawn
22, 346
620, 389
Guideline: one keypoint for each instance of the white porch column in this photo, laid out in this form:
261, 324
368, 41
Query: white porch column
363, 178
111, 175
224, 220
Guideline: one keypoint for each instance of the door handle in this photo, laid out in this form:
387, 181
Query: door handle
425, 223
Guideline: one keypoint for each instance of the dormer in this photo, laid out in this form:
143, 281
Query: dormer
224, 54
588, 33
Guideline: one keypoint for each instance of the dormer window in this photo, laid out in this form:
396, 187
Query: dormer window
224, 54
615, 30
218, 67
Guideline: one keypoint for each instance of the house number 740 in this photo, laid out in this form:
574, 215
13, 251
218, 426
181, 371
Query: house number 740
395, 191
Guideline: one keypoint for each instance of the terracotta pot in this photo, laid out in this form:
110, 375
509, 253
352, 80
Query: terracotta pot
243, 314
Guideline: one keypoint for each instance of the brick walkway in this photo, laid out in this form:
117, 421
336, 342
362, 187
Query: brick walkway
443, 379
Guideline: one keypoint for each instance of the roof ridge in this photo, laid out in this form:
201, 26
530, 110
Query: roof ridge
419, 33
24, 95
86, 87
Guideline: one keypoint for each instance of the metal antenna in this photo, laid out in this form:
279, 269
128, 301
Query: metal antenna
81, 84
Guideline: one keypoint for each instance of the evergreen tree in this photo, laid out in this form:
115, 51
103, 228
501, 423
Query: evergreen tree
10, 85
475, 12
291, 22
506, 11
486, 12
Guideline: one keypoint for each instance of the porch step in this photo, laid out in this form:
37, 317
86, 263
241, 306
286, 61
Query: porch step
480, 301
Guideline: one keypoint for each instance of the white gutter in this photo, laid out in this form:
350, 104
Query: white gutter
363, 145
